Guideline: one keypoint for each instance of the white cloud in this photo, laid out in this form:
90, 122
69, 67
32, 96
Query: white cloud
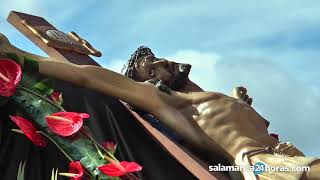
115, 65
203, 66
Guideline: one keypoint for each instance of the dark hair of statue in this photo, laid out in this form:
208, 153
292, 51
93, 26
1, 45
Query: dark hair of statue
129, 69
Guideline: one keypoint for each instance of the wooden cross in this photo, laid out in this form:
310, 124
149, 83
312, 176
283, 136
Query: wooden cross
70, 47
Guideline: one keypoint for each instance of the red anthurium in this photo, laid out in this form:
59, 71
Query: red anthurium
10, 76
119, 169
56, 97
29, 130
65, 123
111, 146
75, 171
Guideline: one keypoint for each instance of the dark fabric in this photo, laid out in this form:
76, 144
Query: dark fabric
109, 120
162, 128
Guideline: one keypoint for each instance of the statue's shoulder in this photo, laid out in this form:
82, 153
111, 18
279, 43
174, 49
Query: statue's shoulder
206, 96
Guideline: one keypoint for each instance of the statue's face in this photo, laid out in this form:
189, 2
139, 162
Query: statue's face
174, 75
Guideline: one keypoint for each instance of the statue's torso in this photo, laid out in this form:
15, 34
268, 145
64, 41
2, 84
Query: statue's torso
230, 122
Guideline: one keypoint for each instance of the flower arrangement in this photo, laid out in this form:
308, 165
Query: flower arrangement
41, 117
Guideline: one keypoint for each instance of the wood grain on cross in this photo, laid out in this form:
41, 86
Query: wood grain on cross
27, 24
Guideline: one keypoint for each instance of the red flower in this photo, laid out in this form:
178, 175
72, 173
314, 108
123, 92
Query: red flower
75, 171
65, 123
75, 167
110, 146
56, 97
119, 169
10, 76
29, 130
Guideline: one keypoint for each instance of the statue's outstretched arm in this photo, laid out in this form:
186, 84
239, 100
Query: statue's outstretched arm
142, 95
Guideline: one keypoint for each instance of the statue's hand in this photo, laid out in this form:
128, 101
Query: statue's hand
241, 93
287, 148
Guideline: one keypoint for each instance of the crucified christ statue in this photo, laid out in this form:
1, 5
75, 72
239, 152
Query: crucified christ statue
210, 122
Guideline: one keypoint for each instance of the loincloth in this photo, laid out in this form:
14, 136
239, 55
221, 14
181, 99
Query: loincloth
280, 162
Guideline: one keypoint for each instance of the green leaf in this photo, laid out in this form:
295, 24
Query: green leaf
54, 174
20, 174
44, 86
28, 81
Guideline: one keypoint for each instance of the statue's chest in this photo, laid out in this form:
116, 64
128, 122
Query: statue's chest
217, 113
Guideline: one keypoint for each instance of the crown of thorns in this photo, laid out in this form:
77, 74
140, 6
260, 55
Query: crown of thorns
129, 68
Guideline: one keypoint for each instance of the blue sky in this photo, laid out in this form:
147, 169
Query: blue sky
270, 47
